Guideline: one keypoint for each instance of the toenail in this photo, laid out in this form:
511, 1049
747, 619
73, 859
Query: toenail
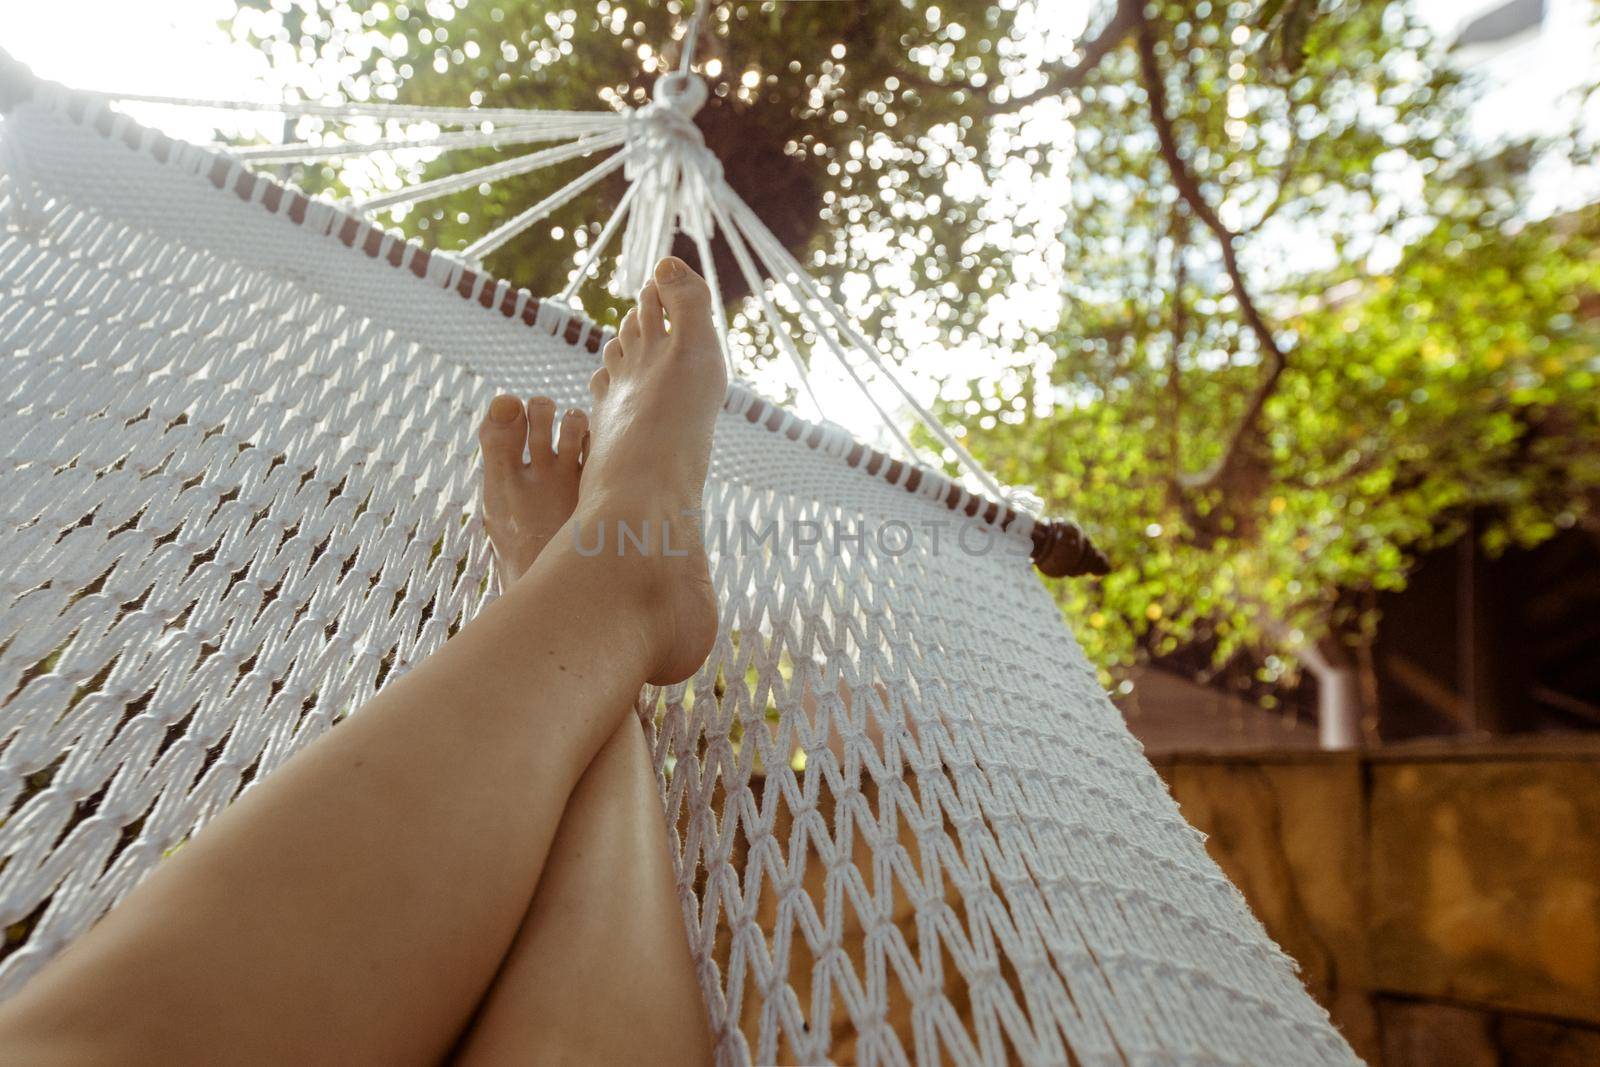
669, 269
504, 409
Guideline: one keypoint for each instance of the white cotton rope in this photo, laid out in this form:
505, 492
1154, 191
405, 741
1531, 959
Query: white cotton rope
592, 259
780, 332
666, 142
838, 352
239, 496
691, 37
719, 313
500, 235
490, 173
449, 141
444, 116
747, 221
653, 172
730, 204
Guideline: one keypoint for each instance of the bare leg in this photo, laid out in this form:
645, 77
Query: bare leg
600, 971
354, 907
603, 939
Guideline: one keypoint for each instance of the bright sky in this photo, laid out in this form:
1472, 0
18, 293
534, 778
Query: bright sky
164, 47
1528, 87
174, 47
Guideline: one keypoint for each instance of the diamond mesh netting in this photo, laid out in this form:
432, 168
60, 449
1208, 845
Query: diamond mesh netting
239, 493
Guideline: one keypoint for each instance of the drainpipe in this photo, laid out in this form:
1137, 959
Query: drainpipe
1338, 694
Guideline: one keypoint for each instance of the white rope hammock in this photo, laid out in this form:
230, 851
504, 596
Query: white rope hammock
238, 496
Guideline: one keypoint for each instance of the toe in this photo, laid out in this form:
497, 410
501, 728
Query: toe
612, 355
502, 435
651, 323
685, 296
599, 382
630, 332
541, 418
569, 445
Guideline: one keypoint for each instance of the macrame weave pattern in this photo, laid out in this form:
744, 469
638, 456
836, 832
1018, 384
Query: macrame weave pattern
238, 494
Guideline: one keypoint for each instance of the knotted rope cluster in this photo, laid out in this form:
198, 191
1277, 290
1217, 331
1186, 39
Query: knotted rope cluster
668, 151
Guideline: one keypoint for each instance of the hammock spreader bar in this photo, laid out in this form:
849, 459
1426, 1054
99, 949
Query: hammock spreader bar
1061, 548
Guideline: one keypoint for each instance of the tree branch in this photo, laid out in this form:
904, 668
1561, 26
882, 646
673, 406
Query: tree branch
1065, 78
1180, 329
1194, 197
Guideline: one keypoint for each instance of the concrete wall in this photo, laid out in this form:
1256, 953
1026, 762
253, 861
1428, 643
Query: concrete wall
1444, 903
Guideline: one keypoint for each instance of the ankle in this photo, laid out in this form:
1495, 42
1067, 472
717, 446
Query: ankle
629, 588
651, 554
636, 526
635, 545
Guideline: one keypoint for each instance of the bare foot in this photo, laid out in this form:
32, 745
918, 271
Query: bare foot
525, 503
656, 400
636, 478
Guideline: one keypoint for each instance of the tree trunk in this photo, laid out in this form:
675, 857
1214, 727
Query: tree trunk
1339, 703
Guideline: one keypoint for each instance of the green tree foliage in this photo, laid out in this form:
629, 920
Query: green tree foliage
1308, 328
837, 122
1308, 333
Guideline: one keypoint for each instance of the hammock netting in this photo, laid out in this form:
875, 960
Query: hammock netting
239, 494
